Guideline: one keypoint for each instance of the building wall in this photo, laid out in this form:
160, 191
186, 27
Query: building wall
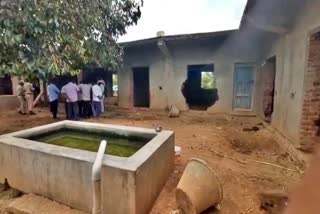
291, 52
310, 123
146, 56
8, 102
170, 72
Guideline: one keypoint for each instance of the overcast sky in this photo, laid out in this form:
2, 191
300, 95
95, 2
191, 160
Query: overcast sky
185, 16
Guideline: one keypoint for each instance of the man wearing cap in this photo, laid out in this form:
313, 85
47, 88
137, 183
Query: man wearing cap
28, 89
21, 97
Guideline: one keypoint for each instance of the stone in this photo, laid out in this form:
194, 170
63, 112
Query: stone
174, 111
273, 201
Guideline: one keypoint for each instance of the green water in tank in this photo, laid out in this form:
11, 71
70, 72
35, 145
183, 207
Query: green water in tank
90, 141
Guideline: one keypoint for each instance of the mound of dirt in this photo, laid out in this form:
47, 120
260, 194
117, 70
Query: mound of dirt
248, 142
242, 146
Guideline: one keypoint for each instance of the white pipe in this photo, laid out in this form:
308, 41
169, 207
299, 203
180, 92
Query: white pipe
96, 177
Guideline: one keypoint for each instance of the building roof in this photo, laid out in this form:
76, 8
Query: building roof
179, 37
272, 12
278, 14
250, 4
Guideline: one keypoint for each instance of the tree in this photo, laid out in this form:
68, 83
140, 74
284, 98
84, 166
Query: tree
62, 36
208, 80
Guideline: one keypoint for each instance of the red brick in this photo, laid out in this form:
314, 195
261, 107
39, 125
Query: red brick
311, 105
316, 83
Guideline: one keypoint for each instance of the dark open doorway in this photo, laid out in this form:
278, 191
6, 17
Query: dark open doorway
268, 77
141, 87
200, 89
5, 85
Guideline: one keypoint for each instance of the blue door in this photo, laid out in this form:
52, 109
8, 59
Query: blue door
243, 86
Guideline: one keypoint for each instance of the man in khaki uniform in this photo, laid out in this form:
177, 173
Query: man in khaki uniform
28, 88
21, 97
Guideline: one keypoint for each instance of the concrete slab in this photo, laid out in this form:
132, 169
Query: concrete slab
35, 204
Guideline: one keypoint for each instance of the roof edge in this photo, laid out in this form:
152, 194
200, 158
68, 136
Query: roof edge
178, 37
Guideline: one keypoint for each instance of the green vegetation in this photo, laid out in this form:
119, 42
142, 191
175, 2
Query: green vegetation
54, 37
118, 146
208, 80
115, 79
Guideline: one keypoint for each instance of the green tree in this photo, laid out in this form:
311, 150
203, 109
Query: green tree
62, 36
208, 80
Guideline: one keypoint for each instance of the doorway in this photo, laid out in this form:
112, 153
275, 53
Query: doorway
268, 84
243, 86
200, 89
141, 87
5, 85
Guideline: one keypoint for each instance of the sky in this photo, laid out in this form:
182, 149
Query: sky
184, 17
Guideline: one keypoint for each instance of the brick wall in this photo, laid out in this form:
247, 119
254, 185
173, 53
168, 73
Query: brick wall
311, 107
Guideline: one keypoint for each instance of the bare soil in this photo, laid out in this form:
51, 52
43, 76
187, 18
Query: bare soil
232, 146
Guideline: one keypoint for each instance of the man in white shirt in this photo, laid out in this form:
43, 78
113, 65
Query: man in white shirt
85, 98
102, 85
70, 92
96, 100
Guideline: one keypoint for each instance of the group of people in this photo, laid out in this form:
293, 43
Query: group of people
25, 92
84, 100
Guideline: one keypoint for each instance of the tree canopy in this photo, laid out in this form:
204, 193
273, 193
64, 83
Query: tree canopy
62, 36
208, 81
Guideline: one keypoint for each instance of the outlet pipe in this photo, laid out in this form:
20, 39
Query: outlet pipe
96, 179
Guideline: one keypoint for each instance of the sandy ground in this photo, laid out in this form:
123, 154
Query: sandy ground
205, 136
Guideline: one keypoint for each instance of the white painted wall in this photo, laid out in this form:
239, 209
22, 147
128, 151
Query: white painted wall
291, 51
171, 73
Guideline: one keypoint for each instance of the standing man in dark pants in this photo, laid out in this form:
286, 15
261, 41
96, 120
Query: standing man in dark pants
85, 90
53, 94
70, 92
96, 100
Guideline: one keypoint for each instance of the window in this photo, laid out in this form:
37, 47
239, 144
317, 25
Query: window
208, 80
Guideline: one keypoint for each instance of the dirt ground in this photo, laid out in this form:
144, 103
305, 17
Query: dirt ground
242, 141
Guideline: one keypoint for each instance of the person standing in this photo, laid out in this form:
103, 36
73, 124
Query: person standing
70, 92
21, 97
102, 85
53, 94
28, 88
85, 98
96, 100
80, 102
